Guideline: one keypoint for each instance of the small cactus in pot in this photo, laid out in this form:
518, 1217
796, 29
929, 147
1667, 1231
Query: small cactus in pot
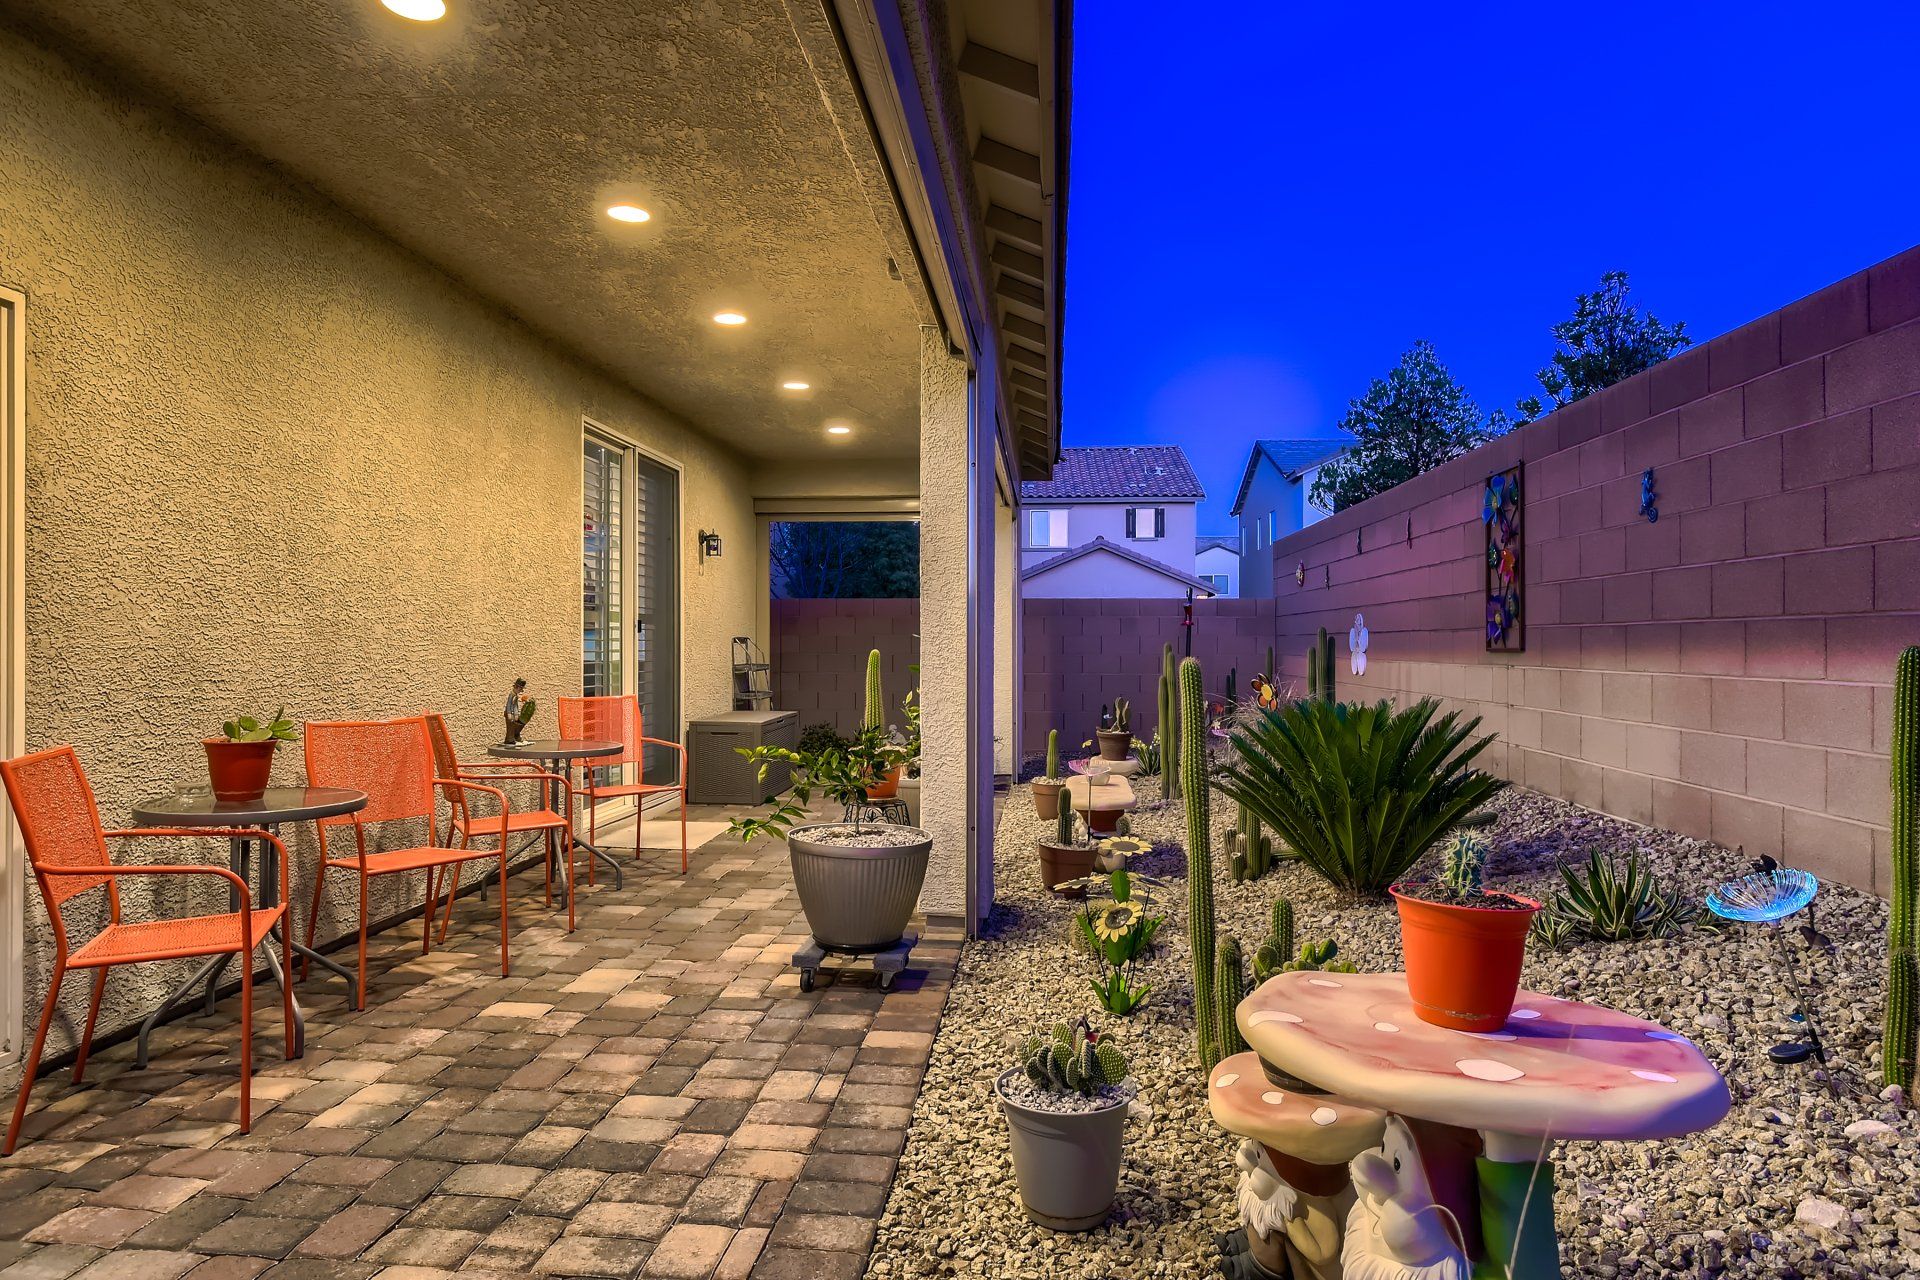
1116, 734
1065, 1102
1047, 789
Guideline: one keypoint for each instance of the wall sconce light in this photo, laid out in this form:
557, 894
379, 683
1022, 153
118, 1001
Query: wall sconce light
709, 545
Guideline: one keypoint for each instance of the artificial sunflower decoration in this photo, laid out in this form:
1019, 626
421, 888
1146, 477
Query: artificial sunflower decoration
1116, 920
1124, 847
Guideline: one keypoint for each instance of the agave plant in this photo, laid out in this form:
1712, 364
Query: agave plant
1359, 791
1613, 901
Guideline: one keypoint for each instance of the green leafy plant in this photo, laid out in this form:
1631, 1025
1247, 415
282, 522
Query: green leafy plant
1552, 931
1073, 1060
816, 738
1613, 900
1358, 791
909, 741
1273, 954
276, 728
1117, 931
844, 774
1148, 754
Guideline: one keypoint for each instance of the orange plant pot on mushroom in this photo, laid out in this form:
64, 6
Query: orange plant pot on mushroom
1464, 944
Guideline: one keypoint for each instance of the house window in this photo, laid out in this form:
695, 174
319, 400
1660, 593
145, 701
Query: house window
1146, 523
1273, 526
1218, 581
1047, 528
1258, 541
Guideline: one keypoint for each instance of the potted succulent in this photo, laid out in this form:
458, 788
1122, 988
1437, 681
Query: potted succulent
858, 880
1067, 859
240, 760
1066, 1107
1115, 735
1046, 791
1464, 944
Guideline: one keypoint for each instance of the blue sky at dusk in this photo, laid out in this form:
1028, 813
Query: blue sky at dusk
1271, 202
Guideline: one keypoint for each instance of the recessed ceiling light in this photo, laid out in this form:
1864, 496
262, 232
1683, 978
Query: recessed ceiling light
418, 10
839, 429
796, 386
628, 213
729, 317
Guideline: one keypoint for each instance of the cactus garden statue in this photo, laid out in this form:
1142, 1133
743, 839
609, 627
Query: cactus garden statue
519, 710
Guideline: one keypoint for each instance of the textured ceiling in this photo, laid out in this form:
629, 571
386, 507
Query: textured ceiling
490, 142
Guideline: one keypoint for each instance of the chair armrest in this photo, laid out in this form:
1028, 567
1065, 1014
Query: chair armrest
239, 885
663, 742
216, 833
499, 796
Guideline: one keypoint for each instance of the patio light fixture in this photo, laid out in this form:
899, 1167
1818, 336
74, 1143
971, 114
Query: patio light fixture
839, 429
709, 544
796, 386
418, 10
729, 318
628, 213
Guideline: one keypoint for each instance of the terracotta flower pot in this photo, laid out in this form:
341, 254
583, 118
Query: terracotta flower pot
888, 786
239, 770
1046, 798
1061, 863
1103, 822
1115, 744
1463, 962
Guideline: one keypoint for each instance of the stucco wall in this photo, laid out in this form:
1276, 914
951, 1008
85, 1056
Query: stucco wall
946, 524
272, 459
1089, 520
1724, 671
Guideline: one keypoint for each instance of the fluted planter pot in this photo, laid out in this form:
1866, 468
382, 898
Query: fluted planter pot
858, 896
1066, 1162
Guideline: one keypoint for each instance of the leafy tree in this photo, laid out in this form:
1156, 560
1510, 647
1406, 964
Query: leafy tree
1411, 421
1607, 340
832, 559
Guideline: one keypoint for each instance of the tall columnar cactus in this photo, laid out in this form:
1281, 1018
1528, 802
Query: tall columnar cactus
876, 705
1170, 723
1233, 684
1278, 948
1053, 753
1313, 671
1326, 666
1168, 738
1272, 675
1194, 791
1229, 989
1903, 943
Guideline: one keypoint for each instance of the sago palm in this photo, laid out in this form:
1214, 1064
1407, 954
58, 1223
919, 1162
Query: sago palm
1358, 791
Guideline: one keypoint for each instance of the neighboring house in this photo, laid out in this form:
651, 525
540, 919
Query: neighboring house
1137, 498
1216, 562
1273, 501
1107, 570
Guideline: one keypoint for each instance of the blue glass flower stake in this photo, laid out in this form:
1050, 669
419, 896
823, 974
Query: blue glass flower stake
1768, 897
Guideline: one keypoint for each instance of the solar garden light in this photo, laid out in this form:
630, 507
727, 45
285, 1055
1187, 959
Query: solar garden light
1768, 896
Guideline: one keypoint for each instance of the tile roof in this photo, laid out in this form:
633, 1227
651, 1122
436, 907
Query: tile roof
1118, 472
1125, 553
1213, 542
1291, 456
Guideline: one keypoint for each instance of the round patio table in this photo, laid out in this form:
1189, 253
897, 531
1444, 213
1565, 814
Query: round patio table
557, 756
196, 807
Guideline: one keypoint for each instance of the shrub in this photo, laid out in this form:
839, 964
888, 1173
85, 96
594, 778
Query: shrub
1612, 901
818, 739
1358, 791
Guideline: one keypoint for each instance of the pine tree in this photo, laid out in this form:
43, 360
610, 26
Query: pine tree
1607, 340
1409, 422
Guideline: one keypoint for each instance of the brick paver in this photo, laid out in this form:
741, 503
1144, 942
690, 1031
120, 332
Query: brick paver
651, 1095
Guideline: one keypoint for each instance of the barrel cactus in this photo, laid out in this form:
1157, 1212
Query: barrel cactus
1903, 943
1194, 791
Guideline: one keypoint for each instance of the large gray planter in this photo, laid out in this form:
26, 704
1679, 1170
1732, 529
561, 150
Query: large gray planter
857, 898
1067, 1163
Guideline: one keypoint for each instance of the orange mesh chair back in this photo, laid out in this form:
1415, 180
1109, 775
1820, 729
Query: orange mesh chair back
392, 762
617, 719
67, 846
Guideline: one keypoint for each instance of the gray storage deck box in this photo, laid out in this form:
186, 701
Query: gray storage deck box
716, 773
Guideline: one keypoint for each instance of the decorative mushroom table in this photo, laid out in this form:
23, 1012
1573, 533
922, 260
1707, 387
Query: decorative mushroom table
1103, 798
1458, 1180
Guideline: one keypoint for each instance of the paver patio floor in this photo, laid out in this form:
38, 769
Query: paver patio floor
650, 1095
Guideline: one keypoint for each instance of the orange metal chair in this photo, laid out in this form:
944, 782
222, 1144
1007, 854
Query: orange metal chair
617, 719
60, 826
466, 824
392, 761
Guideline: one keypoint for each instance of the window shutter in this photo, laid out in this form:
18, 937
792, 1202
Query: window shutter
1159, 522
1131, 524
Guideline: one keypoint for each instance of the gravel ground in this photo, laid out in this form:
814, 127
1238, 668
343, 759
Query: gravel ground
1791, 1183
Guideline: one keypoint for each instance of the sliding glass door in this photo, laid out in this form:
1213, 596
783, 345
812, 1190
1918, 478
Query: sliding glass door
630, 597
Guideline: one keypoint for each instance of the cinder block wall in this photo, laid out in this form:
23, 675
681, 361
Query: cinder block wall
1724, 672
1079, 654
819, 655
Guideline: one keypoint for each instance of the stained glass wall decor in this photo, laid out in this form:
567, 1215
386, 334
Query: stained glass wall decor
1500, 511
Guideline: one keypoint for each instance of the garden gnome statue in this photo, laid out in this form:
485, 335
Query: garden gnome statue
517, 704
1396, 1229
